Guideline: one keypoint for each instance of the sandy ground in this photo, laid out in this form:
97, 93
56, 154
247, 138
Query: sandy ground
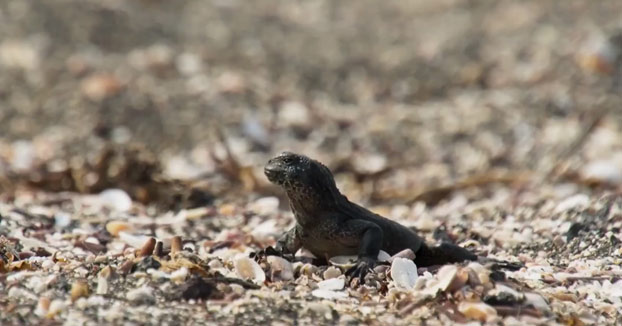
492, 124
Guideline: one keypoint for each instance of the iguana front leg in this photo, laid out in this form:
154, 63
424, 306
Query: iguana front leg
289, 242
285, 246
368, 236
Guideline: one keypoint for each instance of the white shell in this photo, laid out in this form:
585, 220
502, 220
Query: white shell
116, 199
446, 275
537, 301
404, 273
280, 268
343, 262
328, 294
249, 269
331, 272
477, 310
132, 240
102, 285
332, 284
383, 256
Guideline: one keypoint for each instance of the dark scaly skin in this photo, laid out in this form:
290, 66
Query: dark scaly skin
328, 224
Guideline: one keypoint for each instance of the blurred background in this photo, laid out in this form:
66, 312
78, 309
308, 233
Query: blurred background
402, 99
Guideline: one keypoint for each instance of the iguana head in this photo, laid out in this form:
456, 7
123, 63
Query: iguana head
300, 174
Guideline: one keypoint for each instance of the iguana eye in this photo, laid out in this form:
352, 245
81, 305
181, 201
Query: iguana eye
288, 160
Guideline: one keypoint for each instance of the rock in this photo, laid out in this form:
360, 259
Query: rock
404, 273
477, 310
147, 263
195, 288
249, 269
116, 199
280, 269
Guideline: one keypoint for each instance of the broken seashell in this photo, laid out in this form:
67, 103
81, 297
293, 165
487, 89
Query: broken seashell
343, 262
332, 284
406, 253
328, 294
445, 276
116, 227
280, 269
331, 272
102, 285
383, 256
116, 199
248, 268
537, 301
131, 240
477, 310
79, 289
483, 274
404, 273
